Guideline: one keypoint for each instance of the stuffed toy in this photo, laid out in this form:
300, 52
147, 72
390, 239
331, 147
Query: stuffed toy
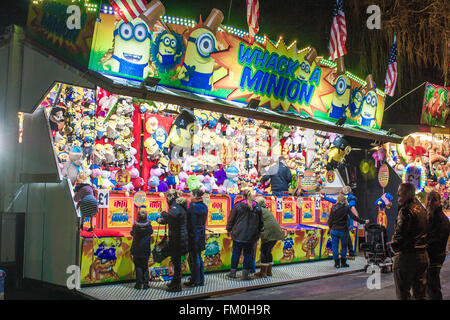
385, 201
56, 119
96, 173
106, 182
180, 136
99, 154
153, 181
109, 154
208, 183
163, 186
337, 153
220, 176
182, 178
379, 156
73, 166
194, 182
232, 174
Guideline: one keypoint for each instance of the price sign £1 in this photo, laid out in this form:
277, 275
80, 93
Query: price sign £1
174, 167
103, 198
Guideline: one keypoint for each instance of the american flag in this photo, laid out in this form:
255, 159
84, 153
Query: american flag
391, 73
128, 9
252, 18
338, 35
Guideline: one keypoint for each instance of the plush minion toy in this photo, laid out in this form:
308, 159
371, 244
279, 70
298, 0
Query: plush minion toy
179, 141
341, 96
198, 66
337, 153
369, 106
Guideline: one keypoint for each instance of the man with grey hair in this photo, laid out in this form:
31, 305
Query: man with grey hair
410, 245
437, 241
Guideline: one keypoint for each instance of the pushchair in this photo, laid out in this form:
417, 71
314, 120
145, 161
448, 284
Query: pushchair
376, 250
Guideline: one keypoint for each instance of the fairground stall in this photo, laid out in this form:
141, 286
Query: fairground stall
176, 103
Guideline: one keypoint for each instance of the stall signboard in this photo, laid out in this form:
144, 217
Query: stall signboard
120, 212
64, 27
289, 211
308, 182
271, 205
225, 66
308, 211
383, 176
140, 199
156, 204
324, 213
436, 107
218, 208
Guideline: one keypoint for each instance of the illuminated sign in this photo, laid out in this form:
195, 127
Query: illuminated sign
226, 66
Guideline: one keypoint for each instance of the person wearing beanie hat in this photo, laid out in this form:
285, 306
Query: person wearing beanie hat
176, 218
85, 199
197, 215
271, 234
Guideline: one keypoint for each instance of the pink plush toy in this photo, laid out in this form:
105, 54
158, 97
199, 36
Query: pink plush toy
182, 178
379, 156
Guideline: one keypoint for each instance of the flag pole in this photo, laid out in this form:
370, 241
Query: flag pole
229, 11
386, 109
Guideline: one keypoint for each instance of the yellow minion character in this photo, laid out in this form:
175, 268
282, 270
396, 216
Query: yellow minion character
369, 106
341, 97
198, 66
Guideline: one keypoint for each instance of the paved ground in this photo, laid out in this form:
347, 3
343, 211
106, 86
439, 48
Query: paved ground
345, 287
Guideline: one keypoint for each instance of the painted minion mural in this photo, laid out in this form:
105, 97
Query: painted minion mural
131, 49
198, 66
288, 247
167, 51
341, 96
306, 67
369, 106
356, 101
180, 135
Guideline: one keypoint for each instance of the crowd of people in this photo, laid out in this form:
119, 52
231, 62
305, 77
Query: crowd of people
419, 241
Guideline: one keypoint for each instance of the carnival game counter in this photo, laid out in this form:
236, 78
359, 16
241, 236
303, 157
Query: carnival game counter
106, 252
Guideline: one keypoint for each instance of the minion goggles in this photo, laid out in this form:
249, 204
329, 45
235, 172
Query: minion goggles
127, 31
205, 44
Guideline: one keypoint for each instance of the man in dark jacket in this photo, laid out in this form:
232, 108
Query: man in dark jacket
280, 178
196, 221
140, 248
176, 218
439, 229
245, 224
409, 243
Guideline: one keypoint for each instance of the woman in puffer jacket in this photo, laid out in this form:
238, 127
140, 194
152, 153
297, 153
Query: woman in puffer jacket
245, 224
176, 218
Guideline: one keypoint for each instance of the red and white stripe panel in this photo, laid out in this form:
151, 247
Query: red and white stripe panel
128, 9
